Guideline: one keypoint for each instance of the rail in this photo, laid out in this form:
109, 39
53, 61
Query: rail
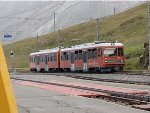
129, 99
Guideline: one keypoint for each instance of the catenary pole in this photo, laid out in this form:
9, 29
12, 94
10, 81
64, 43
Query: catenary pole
58, 36
54, 22
114, 10
37, 43
97, 28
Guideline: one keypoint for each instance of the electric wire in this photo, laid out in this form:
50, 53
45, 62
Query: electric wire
41, 19
20, 12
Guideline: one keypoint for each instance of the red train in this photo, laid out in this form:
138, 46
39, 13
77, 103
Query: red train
100, 56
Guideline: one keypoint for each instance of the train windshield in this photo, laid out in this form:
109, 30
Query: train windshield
110, 52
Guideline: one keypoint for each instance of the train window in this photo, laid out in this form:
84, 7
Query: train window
89, 53
35, 59
38, 59
53, 57
84, 56
69, 55
64, 56
120, 51
47, 58
41, 59
80, 54
50, 57
92, 53
110, 52
99, 52
76, 55
72, 57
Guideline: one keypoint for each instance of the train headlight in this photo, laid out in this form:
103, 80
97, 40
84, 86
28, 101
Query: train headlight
106, 61
113, 61
121, 61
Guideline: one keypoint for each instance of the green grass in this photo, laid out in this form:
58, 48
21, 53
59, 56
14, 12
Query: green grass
129, 27
132, 64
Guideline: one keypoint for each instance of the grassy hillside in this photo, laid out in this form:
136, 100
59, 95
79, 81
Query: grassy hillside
129, 27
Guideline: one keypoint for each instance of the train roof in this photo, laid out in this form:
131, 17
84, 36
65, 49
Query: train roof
76, 47
91, 45
46, 51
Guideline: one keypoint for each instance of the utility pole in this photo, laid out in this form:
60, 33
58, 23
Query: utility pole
114, 10
58, 40
37, 43
97, 28
149, 33
54, 22
90, 10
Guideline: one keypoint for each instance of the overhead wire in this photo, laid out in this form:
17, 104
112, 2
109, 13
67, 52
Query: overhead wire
45, 11
41, 13
71, 7
57, 13
48, 10
21, 11
26, 19
41, 19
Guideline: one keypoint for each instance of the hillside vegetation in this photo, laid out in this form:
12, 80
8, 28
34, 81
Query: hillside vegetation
129, 27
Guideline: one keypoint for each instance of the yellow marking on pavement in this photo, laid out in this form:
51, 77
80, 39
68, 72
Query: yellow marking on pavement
7, 99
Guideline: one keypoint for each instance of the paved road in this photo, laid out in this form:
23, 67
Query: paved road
35, 100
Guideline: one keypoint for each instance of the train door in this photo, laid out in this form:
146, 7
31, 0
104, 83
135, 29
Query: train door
72, 61
37, 63
85, 67
46, 63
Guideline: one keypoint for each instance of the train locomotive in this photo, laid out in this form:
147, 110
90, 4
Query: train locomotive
99, 56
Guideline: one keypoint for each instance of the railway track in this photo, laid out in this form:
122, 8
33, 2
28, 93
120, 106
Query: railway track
93, 78
118, 97
109, 80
